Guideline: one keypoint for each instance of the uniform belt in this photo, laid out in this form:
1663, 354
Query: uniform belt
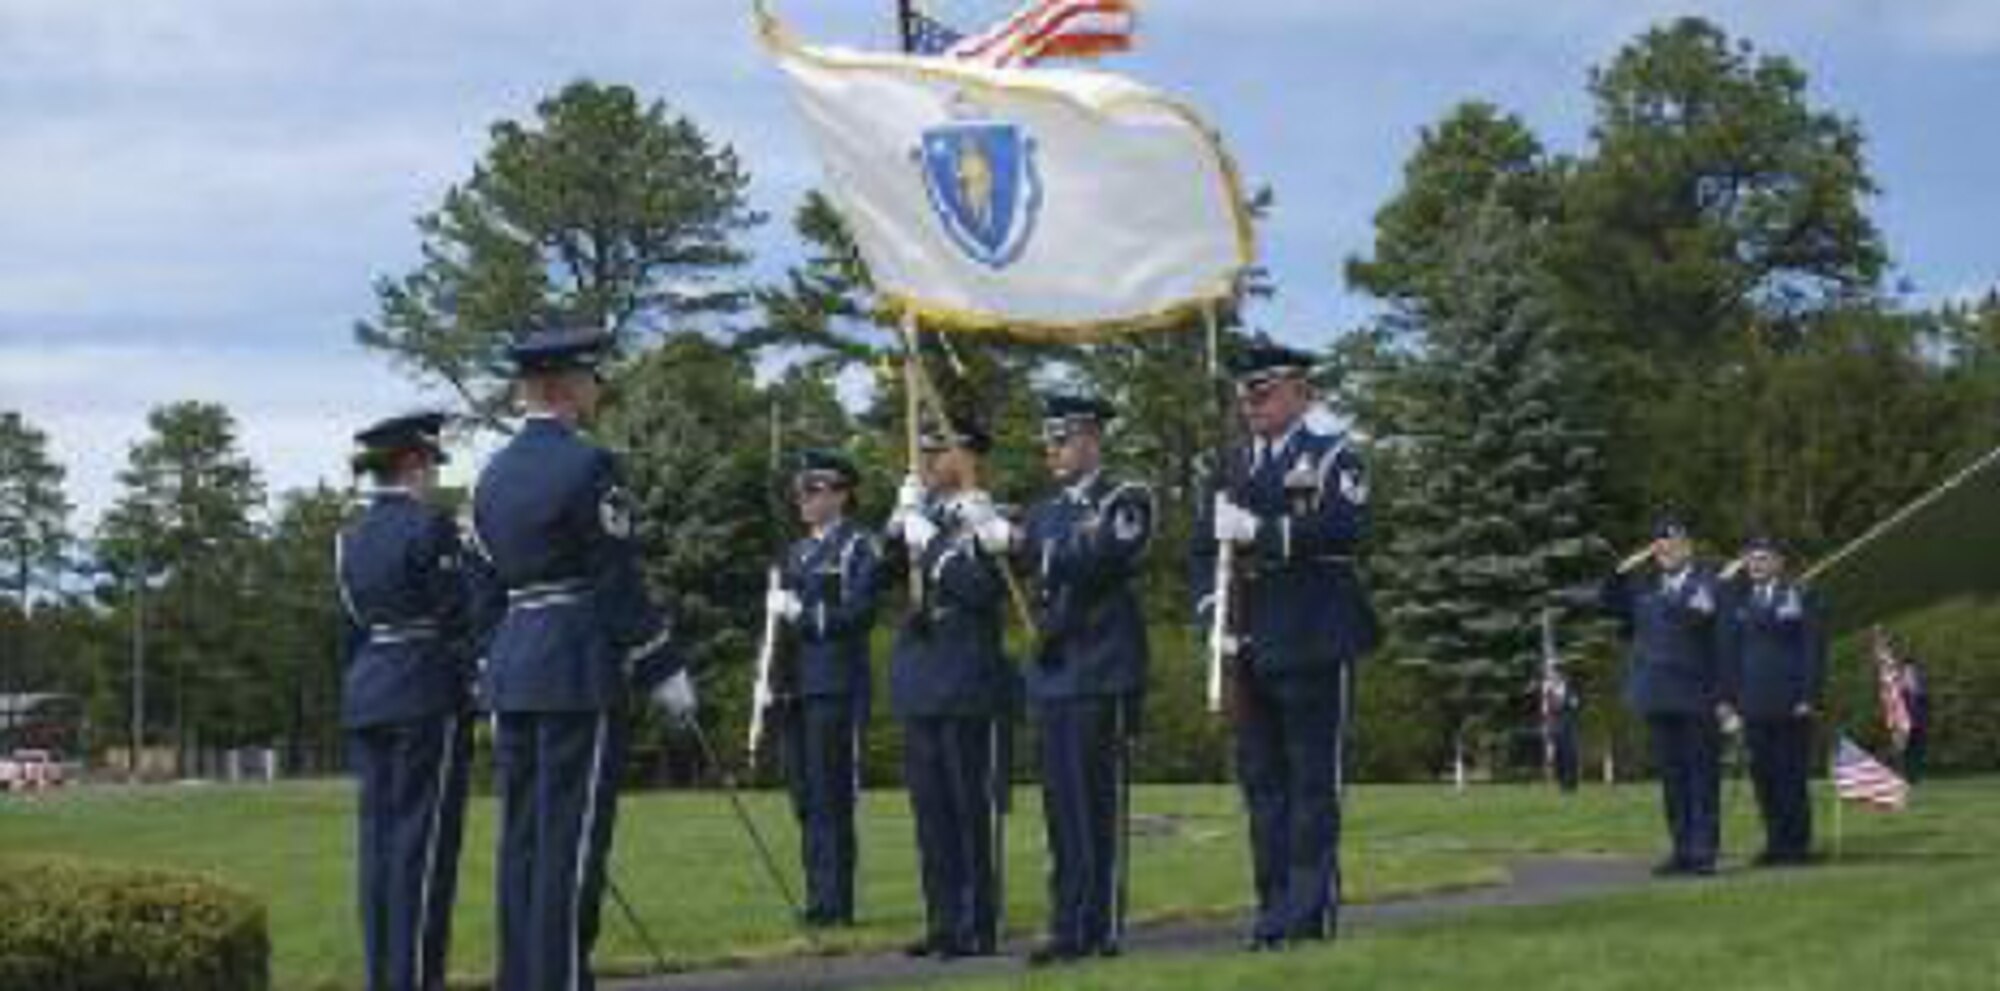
547, 594
391, 633
1333, 559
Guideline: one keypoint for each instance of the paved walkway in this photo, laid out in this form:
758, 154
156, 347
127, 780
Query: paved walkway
1536, 881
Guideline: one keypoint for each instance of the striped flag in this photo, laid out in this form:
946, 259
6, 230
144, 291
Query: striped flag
1889, 688
1043, 29
1859, 777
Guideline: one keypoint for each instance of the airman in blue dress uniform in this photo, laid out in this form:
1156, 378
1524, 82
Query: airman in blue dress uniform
1774, 667
1294, 502
554, 523
952, 688
409, 660
1674, 680
1083, 546
827, 598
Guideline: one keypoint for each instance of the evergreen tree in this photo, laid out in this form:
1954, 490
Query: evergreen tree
34, 536
604, 210
1496, 514
182, 533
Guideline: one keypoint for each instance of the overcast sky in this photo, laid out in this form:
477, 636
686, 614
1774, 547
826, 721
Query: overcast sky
195, 195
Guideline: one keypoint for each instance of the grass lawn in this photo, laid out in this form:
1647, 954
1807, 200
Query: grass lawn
680, 857
692, 875
1910, 904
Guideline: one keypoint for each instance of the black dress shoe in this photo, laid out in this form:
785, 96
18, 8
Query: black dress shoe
1265, 944
1052, 953
1109, 950
924, 947
1700, 868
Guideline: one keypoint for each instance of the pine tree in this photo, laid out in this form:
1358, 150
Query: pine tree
1501, 474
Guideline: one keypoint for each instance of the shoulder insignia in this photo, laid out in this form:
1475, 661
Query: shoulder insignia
1128, 523
614, 512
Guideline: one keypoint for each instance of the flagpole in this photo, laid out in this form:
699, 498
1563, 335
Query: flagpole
917, 382
912, 410
1833, 785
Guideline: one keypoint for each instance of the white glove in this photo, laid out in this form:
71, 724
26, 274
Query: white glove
976, 509
918, 530
1228, 647
780, 602
910, 495
1233, 523
995, 535
675, 697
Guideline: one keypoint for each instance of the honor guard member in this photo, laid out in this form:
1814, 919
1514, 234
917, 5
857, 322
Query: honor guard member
1673, 680
952, 688
1774, 654
409, 661
1917, 702
1083, 546
1294, 502
827, 597
1559, 707
554, 521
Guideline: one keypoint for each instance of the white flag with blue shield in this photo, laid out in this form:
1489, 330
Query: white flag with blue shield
1047, 204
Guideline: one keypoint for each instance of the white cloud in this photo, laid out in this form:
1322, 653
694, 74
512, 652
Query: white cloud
295, 409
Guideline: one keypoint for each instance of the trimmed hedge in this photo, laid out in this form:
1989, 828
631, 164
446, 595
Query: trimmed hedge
67, 926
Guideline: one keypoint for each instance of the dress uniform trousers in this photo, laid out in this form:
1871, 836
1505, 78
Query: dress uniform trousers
822, 757
557, 773
952, 769
1083, 769
1687, 750
1289, 738
1780, 763
413, 782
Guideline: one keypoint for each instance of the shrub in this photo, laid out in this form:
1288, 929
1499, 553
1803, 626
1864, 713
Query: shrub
76, 927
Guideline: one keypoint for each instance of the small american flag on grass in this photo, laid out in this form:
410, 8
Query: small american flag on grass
1859, 777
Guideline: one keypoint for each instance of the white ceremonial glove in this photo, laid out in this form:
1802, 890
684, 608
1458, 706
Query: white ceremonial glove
909, 495
675, 697
1229, 646
995, 535
975, 509
782, 603
918, 530
1233, 523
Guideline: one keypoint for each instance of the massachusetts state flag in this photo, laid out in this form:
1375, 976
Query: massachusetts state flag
1054, 205
1859, 777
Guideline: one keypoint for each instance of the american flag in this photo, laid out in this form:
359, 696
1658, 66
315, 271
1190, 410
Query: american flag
926, 35
1889, 687
1040, 29
1859, 777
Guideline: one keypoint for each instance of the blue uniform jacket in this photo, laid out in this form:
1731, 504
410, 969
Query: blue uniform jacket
948, 659
554, 523
1301, 605
408, 650
835, 577
1774, 650
1083, 546
1673, 667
